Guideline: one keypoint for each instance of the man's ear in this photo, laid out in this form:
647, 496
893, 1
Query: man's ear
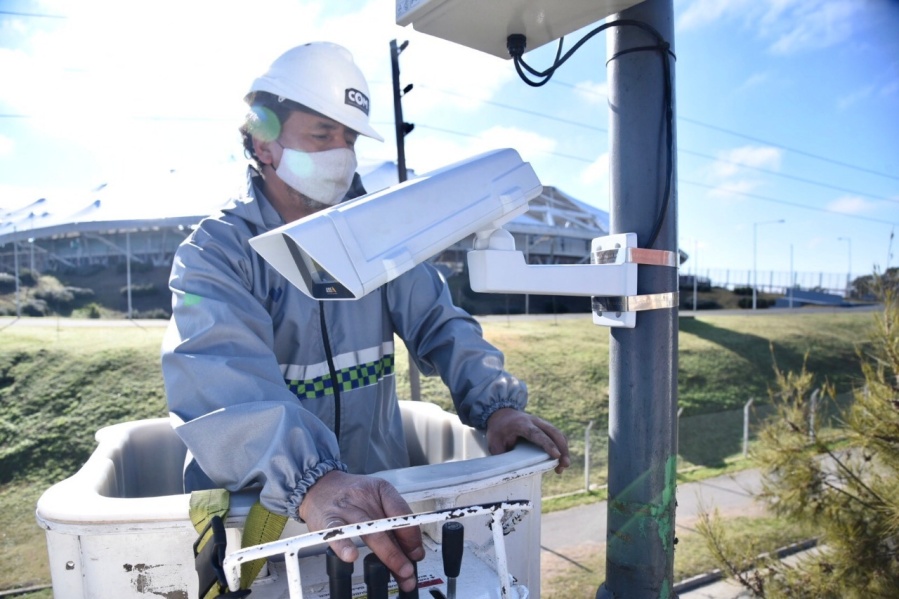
263, 150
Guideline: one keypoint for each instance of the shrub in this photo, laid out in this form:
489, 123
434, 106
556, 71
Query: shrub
844, 489
28, 278
56, 297
7, 282
686, 303
81, 293
760, 302
143, 290
743, 291
35, 307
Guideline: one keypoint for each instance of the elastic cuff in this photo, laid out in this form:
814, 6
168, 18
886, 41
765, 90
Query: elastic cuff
309, 478
488, 412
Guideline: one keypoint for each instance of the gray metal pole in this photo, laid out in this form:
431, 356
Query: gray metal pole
15, 253
128, 269
643, 360
755, 278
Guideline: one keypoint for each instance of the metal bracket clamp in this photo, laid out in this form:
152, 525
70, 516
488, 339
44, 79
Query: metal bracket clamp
494, 266
620, 310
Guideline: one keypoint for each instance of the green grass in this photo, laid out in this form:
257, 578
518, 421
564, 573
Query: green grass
57, 387
691, 556
60, 383
723, 362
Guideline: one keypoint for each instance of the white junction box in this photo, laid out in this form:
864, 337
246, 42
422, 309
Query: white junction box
120, 528
485, 25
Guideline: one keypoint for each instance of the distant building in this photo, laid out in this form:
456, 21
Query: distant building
148, 222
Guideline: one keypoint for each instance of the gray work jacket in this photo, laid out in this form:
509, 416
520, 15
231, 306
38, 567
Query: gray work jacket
271, 388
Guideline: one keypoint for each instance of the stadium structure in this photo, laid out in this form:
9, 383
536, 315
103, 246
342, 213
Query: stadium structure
144, 224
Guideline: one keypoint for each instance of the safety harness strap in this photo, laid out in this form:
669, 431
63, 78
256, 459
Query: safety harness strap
208, 510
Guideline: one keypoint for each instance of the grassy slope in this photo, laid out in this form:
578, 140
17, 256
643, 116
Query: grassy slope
58, 385
723, 360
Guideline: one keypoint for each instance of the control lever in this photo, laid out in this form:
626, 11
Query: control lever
413, 594
453, 535
377, 577
340, 576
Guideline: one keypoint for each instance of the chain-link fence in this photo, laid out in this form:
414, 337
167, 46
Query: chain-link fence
705, 440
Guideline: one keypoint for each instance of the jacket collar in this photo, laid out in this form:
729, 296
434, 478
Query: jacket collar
253, 206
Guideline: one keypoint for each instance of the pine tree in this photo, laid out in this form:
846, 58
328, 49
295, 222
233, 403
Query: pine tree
847, 489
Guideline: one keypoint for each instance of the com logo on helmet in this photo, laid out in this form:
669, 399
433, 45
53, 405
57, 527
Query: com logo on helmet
356, 98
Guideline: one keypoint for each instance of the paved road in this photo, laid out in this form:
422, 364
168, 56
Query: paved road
567, 536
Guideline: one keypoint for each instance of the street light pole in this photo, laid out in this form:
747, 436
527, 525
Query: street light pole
755, 275
849, 270
695, 274
792, 276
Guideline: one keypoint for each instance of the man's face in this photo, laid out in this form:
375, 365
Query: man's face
315, 133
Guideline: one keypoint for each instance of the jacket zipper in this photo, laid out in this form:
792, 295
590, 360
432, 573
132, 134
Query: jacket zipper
331, 370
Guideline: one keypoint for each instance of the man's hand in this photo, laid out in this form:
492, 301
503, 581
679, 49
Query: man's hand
506, 425
338, 499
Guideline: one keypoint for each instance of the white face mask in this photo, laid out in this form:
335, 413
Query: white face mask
321, 176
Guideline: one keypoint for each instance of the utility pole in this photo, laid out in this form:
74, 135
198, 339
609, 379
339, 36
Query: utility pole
642, 360
402, 129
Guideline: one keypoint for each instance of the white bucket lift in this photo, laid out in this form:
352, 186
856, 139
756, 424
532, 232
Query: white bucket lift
119, 528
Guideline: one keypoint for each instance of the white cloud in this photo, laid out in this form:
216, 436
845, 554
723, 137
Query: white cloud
754, 80
6, 146
850, 205
731, 162
890, 89
733, 190
789, 25
440, 151
593, 92
598, 170
853, 98
818, 24
703, 12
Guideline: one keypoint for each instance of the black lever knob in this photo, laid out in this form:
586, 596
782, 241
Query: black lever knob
377, 577
453, 536
340, 576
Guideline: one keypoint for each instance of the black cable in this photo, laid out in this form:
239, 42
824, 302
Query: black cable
516, 44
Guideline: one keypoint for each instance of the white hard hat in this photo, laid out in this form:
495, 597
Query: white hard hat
321, 76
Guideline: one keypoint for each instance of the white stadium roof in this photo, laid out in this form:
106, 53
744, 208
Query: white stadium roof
182, 199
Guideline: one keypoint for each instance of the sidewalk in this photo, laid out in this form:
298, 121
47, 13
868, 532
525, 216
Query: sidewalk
568, 534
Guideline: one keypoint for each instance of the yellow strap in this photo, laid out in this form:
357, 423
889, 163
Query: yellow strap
206, 504
261, 526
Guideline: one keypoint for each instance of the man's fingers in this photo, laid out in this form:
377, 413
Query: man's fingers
345, 550
505, 426
408, 538
389, 552
558, 437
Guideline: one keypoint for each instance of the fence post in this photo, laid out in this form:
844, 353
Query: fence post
746, 427
587, 457
812, 408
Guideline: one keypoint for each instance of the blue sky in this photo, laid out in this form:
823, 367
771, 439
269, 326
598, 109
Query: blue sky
787, 109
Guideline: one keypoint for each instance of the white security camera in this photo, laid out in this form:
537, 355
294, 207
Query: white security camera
349, 250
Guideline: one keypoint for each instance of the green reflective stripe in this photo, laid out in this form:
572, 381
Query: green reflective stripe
354, 377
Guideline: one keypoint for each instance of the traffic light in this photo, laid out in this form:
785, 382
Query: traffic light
401, 127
